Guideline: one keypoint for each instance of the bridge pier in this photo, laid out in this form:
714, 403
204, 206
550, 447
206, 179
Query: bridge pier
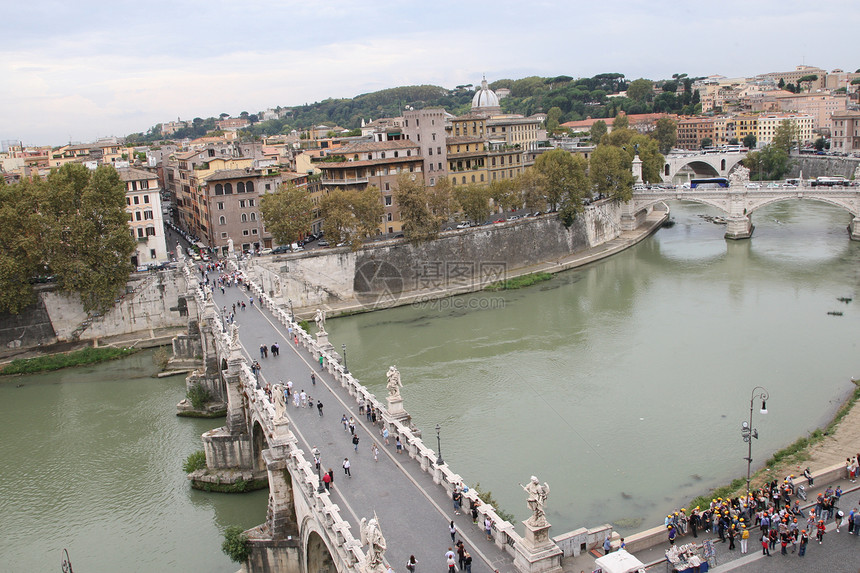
631, 217
854, 229
739, 227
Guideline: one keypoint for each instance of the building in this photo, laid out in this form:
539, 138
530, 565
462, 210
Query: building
143, 204
794, 76
375, 163
693, 130
821, 106
845, 132
768, 124
230, 201
426, 128
232, 124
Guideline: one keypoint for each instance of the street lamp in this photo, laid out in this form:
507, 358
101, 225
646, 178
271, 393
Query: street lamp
292, 316
748, 432
439, 460
321, 487
345, 367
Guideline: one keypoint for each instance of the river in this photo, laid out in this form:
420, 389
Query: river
623, 385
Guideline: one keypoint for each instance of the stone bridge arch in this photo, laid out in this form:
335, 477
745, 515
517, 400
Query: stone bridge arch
680, 169
318, 557
755, 205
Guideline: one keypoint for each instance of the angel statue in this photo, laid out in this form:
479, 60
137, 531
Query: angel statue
371, 535
536, 500
394, 384
319, 318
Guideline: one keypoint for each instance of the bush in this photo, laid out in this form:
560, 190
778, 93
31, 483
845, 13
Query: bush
198, 395
195, 461
519, 282
487, 497
235, 544
161, 357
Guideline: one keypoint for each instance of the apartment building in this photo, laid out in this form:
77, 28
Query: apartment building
768, 124
146, 222
426, 128
845, 133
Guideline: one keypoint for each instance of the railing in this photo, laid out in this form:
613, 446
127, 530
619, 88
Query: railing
345, 181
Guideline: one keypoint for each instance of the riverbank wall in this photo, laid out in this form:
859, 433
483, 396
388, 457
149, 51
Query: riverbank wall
151, 311
397, 273
812, 166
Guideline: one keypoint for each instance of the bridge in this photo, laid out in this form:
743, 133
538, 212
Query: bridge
309, 528
682, 167
738, 202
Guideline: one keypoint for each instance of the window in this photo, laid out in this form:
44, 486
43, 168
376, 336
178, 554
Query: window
253, 231
390, 218
152, 253
140, 233
240, 187
242, 204
245, 233
388, 200
222, 220
383, 155
431, 150
137, 216
244, 218
220, 205
228, 189
438, 151
146, 198
253, 216
147, 214
219, 189
434, 137
128, 200
387, 186
224, 235
250, 202
150, 231
136, 200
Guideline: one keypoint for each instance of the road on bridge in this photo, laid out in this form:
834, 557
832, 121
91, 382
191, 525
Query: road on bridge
414, 512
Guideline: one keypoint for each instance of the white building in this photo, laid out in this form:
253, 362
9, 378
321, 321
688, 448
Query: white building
143, 204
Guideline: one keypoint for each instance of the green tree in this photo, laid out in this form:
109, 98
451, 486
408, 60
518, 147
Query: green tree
666, 134
338, 218
23, 242
786, 136
553, 116
649, 153
640, 90
610, 172
505, 194
531, 185
564, 177
771, 163
598, 130
621, 121
419, 222
707, 142
287, 213
819, 144
474, 200
807, 79
90, 245
368, 212
749, 141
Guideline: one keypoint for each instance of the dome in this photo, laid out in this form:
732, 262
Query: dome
485, 98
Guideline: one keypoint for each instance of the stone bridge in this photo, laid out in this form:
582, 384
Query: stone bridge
680, 168
738, 203
309, 529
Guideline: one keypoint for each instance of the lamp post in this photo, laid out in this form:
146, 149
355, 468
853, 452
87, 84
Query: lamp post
321, 487
439, 460
345, 367
292, 316
748, 432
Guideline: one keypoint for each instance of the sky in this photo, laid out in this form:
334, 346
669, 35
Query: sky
77, 71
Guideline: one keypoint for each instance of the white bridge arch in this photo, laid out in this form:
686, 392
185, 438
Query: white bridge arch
680, 168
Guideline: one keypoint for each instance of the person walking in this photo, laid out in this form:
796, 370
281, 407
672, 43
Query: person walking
355, 441
764, 545
346, 466
467, 563
411, 563
321, 362
488, 528
385, 435
804, 539
450, 561
745, 536
398, 445
607, 546
327, 479
313, 379
351, 425
375, 451
820, 531
319, 408
452, 530
345, 423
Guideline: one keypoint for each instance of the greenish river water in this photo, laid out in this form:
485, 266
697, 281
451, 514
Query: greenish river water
622, 384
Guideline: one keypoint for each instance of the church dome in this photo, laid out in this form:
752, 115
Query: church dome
485, 98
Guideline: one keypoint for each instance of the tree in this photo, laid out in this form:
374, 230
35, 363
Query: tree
707, 142
666, 134
819, 144
640, 90
287, 213
598, 130
807, 79
649, 153
419, 223
474, 199
610, 172
734, 141
781, 83
564, 177
787, 134
368, 211
771, 163
224, 116
552, 119
89, 244
505, 194
621, 121
670, 86
22, 243
440, 199
338, 219
749, 141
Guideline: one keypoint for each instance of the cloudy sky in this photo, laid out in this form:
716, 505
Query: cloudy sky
80, 70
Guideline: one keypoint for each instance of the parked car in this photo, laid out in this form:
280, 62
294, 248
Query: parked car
322, 243
499, 221
281, 249
266, 251
514, 218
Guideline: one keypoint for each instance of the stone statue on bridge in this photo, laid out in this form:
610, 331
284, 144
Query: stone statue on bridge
740, 175
394, 383
180, 254
371, 535
230, 249
280, 403
319, 318
536, 500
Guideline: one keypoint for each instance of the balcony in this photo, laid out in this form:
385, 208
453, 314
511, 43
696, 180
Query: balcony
345, 181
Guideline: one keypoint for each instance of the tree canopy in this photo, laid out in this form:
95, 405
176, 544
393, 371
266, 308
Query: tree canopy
73, 226
287, 213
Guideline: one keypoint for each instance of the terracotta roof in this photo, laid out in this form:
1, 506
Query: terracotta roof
365, 146
132, 174
188, 154
223, 174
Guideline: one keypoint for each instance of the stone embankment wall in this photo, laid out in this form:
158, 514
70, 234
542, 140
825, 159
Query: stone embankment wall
153, 307
458, 259
823, 166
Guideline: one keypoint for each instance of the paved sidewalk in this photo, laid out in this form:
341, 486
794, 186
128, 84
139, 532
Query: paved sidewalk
414, 512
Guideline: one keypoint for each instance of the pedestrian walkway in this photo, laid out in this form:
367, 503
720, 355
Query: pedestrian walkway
413, 511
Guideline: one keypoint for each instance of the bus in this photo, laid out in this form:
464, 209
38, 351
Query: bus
828, 181
709, 183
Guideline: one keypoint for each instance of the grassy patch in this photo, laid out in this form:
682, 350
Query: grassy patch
57, 361
240, 486
519, 282
195, 461
202, 414
235, 544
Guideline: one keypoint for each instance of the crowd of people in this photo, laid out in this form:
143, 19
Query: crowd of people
772, 515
